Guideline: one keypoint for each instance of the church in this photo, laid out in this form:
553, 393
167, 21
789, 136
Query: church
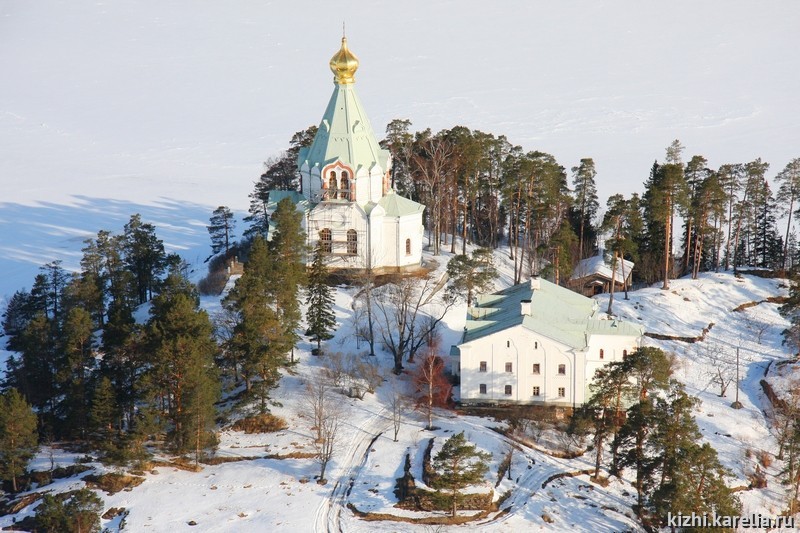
350, 209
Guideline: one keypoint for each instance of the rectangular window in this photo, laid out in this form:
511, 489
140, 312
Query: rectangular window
536, 368
508, 390
482, 367
562, 392
536, 391
482, 388
509, 367
562, 370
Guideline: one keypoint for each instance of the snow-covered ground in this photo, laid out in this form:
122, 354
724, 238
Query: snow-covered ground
259, 493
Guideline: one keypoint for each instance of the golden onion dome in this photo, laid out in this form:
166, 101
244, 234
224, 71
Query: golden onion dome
344, 64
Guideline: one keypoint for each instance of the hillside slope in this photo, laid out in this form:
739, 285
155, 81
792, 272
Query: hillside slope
271, 483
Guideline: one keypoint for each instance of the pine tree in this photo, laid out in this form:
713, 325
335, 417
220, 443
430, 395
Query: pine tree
34, 375
18, 437
144, 256
619, 218
730, 178
287, 256
471, 274
585, 203
18, 314
788, 195
222, 224
260, 339
648, 370
104, 412
400, 142
182, 372
459, 465
605, 407
280, 173
696, 173
74, 369
673, 191
562, 247
319, 301
74, 512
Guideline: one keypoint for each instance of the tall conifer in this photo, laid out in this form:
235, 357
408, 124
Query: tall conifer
319, 315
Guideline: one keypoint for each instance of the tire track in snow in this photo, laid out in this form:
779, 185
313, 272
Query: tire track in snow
329, 513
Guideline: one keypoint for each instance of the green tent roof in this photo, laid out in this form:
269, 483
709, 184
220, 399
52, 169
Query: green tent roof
345, 134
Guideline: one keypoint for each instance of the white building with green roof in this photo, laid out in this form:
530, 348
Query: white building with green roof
350, 208
537, 343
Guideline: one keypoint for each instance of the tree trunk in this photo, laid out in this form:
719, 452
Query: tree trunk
788, 227
667, 240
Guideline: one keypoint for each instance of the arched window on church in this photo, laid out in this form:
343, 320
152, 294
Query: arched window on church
325, 240
352, 242
332, 186
408, 246
344, 192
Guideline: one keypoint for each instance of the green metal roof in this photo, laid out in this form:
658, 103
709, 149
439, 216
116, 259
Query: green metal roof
555, 312
276, 196
399, 206
345, 134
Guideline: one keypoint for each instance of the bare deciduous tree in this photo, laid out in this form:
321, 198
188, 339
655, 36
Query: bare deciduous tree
403, 325
398, 403
318, 390
433, 387
722, 367
325, 446
327, 415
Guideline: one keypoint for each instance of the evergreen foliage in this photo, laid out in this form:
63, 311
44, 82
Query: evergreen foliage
319, 301
471, 274
104, 412
656, 438
259, 338
70, 512
280, 173
220, 229
585, 204
788, 198
287, 270
144, 256
459, 465
18, 437
182, 377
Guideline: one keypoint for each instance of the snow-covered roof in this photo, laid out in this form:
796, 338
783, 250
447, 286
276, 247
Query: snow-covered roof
555, 312
601, 266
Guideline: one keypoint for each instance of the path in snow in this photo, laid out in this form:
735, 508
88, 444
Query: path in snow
329, 513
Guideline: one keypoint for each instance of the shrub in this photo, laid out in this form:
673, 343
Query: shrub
113, 482
213, 284
264, 423
75, 511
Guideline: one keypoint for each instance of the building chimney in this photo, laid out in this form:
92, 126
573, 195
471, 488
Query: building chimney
525, 307
535, 283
